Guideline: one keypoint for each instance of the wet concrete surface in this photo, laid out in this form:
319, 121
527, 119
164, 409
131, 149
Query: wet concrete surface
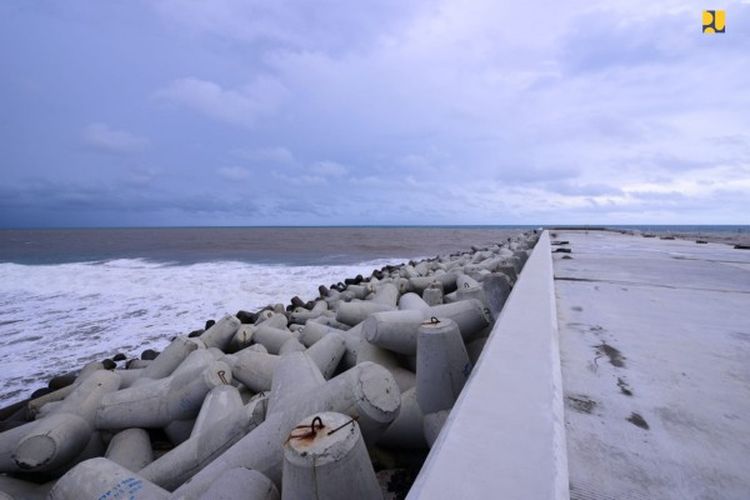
655, 354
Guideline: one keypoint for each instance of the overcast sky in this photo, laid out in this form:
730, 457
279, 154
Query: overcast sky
255, 112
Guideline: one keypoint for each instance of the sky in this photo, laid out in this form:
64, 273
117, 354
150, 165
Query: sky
294, 112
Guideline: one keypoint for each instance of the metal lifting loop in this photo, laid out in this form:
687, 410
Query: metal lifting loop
312, 424
354, 419
310, 431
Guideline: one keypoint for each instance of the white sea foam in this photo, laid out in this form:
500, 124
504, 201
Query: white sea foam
54, 318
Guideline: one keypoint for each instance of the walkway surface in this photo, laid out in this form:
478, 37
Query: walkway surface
655, 354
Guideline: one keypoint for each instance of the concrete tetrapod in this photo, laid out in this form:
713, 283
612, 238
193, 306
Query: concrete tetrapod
221, 333
258, 348
275, 317
329, 319
352, 313
271, 337
325, 457
164, 364
223, 421
242, 339
295, 375
327, 353
170, 358
366, 391
17, 489
386, 294
407, 431
472, 292
242, 483
496, 290
94, 448
246, 333
194, 362
131, 449
469, 288
474, 349
442, 365
314, 331
291, 345
158, 403
465, 281
8, 441
99, 478
352, 338
17, 412
433, 424
508, 271
301, 315
128, 377
403, 285
36, 404
447, 280
220, 401
397, 330
433, 294
56, 439
409, 271
412, 301
178, 431
253, 368
135, 364
368, 352
422, 268
358, 291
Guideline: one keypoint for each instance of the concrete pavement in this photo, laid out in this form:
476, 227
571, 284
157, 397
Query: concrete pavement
655, 353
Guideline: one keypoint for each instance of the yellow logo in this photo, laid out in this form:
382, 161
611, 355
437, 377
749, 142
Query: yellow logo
714, 21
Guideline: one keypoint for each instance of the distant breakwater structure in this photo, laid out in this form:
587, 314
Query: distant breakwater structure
333, 398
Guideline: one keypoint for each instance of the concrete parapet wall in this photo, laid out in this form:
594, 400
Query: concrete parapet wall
505, 437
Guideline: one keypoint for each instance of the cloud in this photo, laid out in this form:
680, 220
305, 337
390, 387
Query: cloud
279, 155
561, 115
428, 110
327, 25
234, 173
318, 173
328, 169
54, 203
242, 106
142, 177
658, 196
524, 174
601, 40
575, 189
303, 207
102, 137
414, 161
295, 179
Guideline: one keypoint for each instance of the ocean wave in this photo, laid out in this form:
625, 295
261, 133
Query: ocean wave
56, 317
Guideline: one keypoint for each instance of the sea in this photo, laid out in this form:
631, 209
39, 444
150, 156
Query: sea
70, 296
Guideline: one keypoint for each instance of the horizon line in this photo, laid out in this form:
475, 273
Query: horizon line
345, 226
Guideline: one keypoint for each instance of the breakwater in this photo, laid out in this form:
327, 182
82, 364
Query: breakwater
342, 392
